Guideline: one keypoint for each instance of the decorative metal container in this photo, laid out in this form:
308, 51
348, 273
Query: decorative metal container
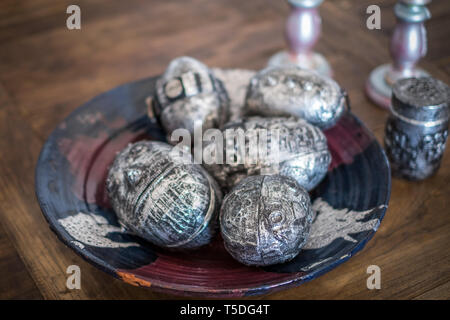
161, 198
188, 94
417, 129
286, 146
292, 91
265, 220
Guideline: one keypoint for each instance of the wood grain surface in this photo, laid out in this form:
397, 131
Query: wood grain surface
46, 71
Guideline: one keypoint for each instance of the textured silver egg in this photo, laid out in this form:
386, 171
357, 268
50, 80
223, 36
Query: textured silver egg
292, 91
188, 93
299, 151
265, 220
160, 198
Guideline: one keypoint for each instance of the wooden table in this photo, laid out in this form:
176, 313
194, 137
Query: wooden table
46, 71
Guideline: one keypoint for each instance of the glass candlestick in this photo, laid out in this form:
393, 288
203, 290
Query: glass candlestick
408, 46
302, 31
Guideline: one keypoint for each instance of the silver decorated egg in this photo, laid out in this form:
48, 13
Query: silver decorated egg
162, 198
188, 94
292, 91
285, 146
265, 220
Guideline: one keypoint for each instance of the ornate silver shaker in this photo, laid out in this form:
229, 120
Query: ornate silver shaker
417, 129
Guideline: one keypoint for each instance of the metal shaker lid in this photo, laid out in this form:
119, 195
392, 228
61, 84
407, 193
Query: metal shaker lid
422, 101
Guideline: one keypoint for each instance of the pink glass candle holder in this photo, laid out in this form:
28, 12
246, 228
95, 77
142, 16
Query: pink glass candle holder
302, 31
408, 46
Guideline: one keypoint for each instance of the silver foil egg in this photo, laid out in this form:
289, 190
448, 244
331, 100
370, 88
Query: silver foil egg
286, 146
188, 94
265, 220
161, 198
292, 91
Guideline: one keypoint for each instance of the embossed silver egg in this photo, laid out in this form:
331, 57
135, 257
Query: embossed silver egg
188, 94
299, 150
265, 220
292, 91
162, 198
